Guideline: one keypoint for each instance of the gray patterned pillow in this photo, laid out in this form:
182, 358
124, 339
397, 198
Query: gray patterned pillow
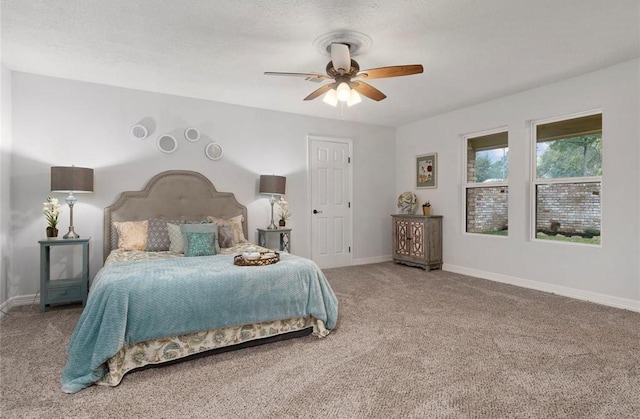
226, 236
158, 235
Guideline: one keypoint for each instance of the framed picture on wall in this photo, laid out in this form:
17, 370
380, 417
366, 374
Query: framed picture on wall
427, 171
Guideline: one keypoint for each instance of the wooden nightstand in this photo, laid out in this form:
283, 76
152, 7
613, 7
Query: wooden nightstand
285, 238
62, 290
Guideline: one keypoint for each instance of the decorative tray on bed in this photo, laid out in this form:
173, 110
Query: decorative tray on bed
266, 258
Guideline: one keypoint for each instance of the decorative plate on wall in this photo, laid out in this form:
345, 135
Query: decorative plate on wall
139, 132
214, 151
192, 134
167, 143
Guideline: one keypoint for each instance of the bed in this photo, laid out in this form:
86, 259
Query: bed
151, 305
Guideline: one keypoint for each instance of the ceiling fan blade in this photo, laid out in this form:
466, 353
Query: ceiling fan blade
393, 71
368, 90
319, 92
340, 57
308, 76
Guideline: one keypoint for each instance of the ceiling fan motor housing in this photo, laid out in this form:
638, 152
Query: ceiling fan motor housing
333, 73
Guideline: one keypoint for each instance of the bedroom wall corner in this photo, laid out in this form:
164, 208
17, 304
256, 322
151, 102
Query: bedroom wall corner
5, 185
610, 271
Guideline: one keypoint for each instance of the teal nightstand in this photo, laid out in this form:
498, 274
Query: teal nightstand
62, 290
284, 238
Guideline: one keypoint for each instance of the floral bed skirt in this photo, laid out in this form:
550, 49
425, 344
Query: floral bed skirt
158, 351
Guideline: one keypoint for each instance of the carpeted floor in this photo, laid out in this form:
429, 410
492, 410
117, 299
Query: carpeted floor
409, 343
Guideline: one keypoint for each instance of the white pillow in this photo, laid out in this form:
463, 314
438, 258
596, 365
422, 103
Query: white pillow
176, 240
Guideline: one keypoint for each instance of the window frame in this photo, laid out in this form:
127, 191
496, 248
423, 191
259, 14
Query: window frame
466, 185
534, 181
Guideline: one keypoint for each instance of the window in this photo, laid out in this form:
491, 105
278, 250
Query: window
486, 187
567, 179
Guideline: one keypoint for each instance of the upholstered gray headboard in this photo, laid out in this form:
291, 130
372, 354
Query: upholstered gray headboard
171, 195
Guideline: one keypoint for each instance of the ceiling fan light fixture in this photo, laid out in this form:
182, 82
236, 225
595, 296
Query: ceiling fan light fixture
343, 92
344, 72
331, 98
354, 98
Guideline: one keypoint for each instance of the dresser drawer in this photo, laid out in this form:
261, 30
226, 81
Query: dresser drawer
64, 293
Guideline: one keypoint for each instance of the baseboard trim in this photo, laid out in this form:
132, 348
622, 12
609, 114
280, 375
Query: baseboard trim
594, 297
375, 259
21, 300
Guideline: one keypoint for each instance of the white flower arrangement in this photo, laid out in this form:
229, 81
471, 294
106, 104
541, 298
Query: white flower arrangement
284, 213
51, 210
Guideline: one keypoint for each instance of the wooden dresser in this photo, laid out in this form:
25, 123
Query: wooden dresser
417, 240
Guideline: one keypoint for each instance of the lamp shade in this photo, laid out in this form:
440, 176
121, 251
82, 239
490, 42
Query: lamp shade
71, 179
343, 91
331, 98
272, 184
354, 98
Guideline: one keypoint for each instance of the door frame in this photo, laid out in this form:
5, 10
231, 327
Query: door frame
343, 140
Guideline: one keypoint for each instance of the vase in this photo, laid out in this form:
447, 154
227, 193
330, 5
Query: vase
426, 211
52, 232
407, 203
282, 223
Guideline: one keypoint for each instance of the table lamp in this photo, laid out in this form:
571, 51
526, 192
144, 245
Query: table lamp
72, 180
272, 185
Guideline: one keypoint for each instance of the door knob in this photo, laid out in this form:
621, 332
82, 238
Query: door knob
315, 211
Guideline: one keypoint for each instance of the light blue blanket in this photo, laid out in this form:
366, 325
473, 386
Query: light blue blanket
139, 301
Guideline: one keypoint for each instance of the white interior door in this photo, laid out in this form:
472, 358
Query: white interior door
330, 186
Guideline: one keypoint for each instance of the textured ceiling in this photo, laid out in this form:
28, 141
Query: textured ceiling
472, 50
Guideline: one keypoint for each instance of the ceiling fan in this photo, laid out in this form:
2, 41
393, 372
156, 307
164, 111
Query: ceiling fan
348, 80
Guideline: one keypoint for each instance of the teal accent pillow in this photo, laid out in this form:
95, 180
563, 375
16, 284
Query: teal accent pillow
199, 228
200, 244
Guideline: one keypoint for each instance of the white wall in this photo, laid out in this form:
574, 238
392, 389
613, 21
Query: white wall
609, 274
63, 122
5, 175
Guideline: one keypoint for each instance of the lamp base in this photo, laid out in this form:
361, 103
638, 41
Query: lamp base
272, 226
71, 234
